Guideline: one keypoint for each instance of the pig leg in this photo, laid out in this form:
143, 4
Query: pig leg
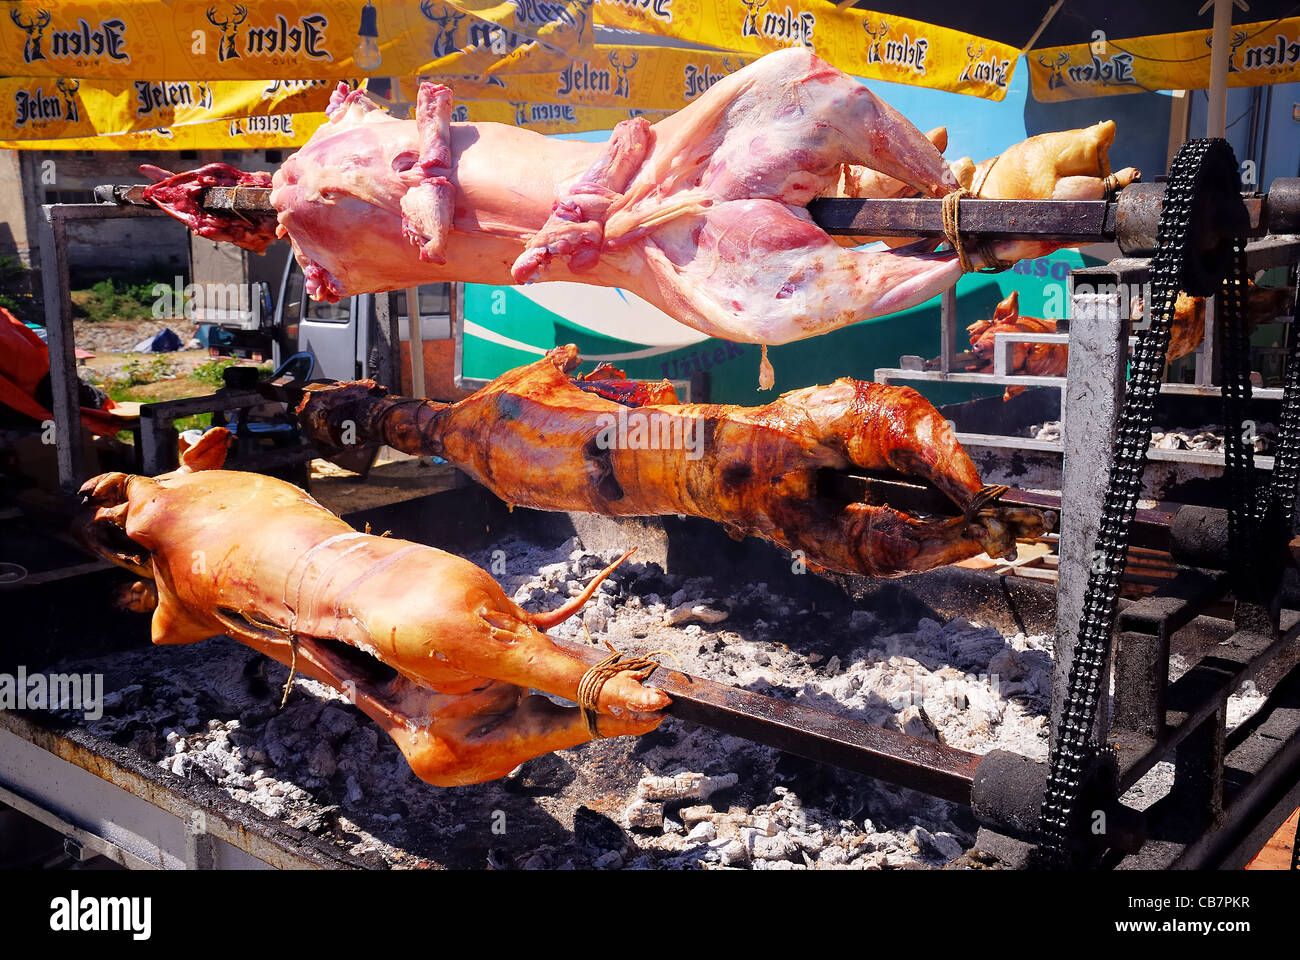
427, 206
575, 231
139, 597
479, 746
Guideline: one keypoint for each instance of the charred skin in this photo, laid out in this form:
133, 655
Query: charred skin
536, 439
425, 643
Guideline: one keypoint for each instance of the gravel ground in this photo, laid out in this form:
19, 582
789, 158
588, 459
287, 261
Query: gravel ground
682, 797
1208, 438
121, 336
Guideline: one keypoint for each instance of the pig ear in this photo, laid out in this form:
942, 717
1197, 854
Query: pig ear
209, 453
1010, 307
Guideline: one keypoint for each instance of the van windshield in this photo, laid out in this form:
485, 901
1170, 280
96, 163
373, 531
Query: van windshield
435, 300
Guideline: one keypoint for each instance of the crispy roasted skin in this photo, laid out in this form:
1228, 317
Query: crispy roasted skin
1031, 359
1051, 359
257, 559
536, 439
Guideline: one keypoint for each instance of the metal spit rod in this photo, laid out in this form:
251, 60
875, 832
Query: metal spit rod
934, 768
1131, 218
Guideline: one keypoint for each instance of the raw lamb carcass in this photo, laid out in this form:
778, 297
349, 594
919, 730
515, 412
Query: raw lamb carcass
180, 194
701, 214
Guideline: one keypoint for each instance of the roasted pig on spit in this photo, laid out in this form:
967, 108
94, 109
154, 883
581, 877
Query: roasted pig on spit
1050, 359
1031, 359
425, 643
538, 438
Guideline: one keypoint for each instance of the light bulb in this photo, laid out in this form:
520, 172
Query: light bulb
367, 56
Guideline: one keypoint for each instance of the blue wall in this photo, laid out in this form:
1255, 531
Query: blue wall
1276, 143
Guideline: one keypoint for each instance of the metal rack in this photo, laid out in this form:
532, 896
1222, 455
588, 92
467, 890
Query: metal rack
1230, 789
1126, 275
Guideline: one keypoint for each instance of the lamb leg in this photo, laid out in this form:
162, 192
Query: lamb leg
428, 205
575, 230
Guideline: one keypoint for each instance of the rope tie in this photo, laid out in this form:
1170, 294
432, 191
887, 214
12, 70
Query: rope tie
951, 226
1108, 186
977, 183
952, 233
594, 680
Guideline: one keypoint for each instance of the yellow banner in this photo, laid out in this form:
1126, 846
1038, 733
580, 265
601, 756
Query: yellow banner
290, 131
279, 39
317, 39
865, 44
644, 78
39, 108
1262, 53
549, 118
276, 131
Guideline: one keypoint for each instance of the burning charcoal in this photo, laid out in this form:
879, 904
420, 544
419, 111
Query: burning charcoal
612, 860
321, 762
684, 786
731, 852
833, 856
644, 815
779, 847
1007, 666
145, 742
595, 620
336, 722
702, 832
691, 815
538, 861
595, 830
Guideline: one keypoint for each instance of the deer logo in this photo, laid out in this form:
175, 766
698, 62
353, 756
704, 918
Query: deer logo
583, 15
68, 87
1238, 38
1056, 79
877, 34
447, 20
229, 28
621, 70
34, 27
752, 9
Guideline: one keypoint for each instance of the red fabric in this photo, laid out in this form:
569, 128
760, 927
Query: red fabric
24, 362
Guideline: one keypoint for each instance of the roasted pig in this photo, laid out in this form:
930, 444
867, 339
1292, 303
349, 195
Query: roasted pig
1031, 359
425, 643
538, 438
1050, 359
